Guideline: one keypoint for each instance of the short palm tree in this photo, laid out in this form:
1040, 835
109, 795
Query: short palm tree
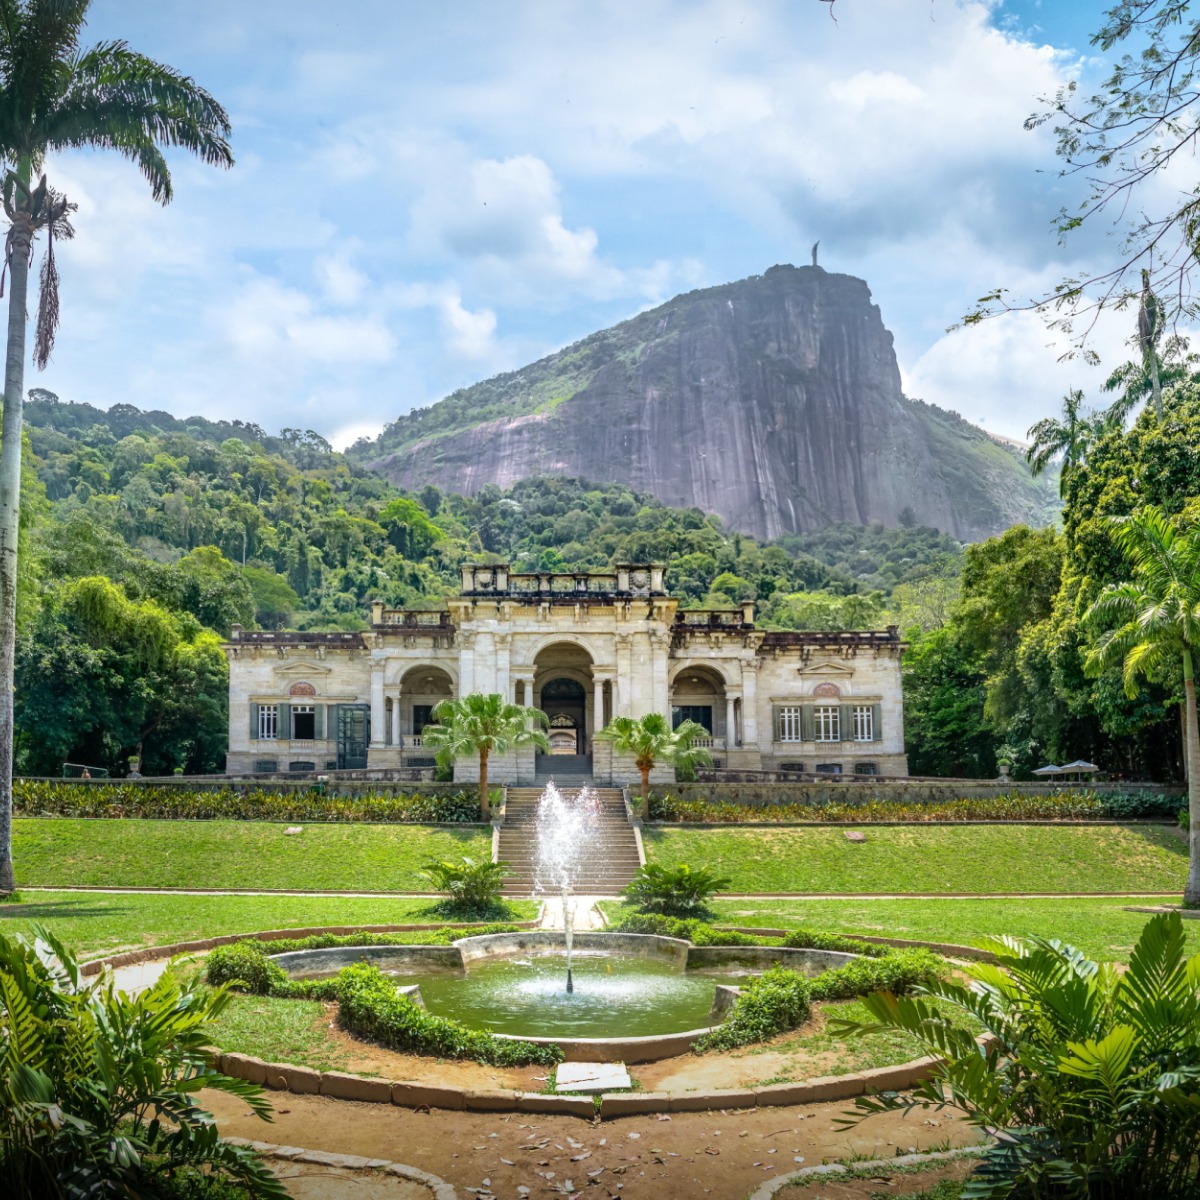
650, 739
1137, 382
1152, 621
483, 725
56, 96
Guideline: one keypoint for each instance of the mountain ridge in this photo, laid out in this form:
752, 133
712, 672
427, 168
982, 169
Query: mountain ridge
773, 401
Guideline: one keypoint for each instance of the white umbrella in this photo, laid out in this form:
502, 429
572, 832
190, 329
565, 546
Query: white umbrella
1081, 766
1049, 769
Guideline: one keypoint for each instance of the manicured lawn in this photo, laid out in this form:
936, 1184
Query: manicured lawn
235, 854
1100, 928
943, 858
93, 922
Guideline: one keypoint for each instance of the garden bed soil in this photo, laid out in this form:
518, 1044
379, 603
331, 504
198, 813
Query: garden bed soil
720, 1155
900, 1184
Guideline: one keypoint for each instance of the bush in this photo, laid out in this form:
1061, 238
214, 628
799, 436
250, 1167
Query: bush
370, 1006
677, 891
780, 999
897, 971
368, 1003
776, 1001
1080, 804
812, 939
1091, 1076
87, 1073
49, 798
472, 887
693, 930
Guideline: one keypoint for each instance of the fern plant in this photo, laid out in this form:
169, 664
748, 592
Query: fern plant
473, 887
676, 891
1089, 1076
98, 1088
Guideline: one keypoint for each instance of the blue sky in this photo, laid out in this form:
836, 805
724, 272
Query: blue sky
426, 194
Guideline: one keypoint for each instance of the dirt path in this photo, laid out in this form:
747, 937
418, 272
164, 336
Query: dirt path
723, 1155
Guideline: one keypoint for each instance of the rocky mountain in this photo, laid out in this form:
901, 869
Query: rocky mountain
774, 402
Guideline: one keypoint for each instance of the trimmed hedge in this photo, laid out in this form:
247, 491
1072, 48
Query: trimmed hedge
1082, 804
689, 929
44, 798
812, 939
369, 1005
779, 999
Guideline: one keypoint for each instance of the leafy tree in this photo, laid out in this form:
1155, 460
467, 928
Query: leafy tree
1152, 621
274, 599
650, 740
483, 725
944, 693
56, 96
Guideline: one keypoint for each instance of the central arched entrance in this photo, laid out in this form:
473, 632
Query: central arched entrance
564, 690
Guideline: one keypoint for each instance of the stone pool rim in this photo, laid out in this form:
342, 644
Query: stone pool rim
642, 1049
339, 1085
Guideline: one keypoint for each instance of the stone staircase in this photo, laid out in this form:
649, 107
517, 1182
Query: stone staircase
611, 858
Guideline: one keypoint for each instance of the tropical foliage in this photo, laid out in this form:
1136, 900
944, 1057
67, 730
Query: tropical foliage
196, 802
1090, 1074
98, 1089
675, 891
650, 739
472, 887
55, 96
1078, 804
483, 725
1152, 624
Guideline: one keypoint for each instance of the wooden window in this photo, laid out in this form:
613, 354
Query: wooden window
828, 723
864, 722
789, 723
268, 722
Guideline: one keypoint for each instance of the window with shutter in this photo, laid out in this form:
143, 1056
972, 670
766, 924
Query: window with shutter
788, 723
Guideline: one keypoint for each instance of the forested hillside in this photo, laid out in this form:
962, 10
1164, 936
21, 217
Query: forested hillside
149, 536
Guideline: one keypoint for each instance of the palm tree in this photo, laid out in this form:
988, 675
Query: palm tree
1151, 621
1072, 436
56, 96
1138, 382
483, 725
650, 739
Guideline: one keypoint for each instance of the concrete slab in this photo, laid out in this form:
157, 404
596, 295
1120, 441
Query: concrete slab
591, 1077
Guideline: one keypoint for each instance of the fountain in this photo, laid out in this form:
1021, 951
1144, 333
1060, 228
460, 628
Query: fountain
562, 826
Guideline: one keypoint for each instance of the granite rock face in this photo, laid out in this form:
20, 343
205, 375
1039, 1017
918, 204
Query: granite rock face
774, 402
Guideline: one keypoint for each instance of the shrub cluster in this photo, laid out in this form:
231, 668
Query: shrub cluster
779, 999
1080, 804
675, 890
690, 929
49, 798
815, 939
369, 1005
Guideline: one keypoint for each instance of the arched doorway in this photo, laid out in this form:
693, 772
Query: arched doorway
563, 689
564, 701
698, 694
421, 690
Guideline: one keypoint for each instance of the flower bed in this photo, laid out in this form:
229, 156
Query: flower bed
47, 798
1074, 805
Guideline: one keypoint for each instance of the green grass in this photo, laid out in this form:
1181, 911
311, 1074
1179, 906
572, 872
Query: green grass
95, 923
235, 854
289, 1031
923, 858
1100, 928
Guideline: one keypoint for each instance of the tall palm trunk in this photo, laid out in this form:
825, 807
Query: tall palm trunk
645, 784
485, 806
10, 516
1191, 890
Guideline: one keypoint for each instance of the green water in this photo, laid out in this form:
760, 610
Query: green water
615, 996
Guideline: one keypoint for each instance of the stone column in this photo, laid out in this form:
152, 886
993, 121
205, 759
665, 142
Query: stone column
466, 664
730, 722
660, 644
597, 706
750, 705
396, 719
503, 658
378, 729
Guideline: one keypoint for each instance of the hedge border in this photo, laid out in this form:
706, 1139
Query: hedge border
338, 1085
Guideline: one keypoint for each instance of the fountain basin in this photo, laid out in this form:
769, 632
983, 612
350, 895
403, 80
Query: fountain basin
637, 998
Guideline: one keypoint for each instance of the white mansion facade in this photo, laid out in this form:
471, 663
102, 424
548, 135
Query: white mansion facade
583, 647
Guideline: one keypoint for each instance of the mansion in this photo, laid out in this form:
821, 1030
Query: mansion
583, 647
